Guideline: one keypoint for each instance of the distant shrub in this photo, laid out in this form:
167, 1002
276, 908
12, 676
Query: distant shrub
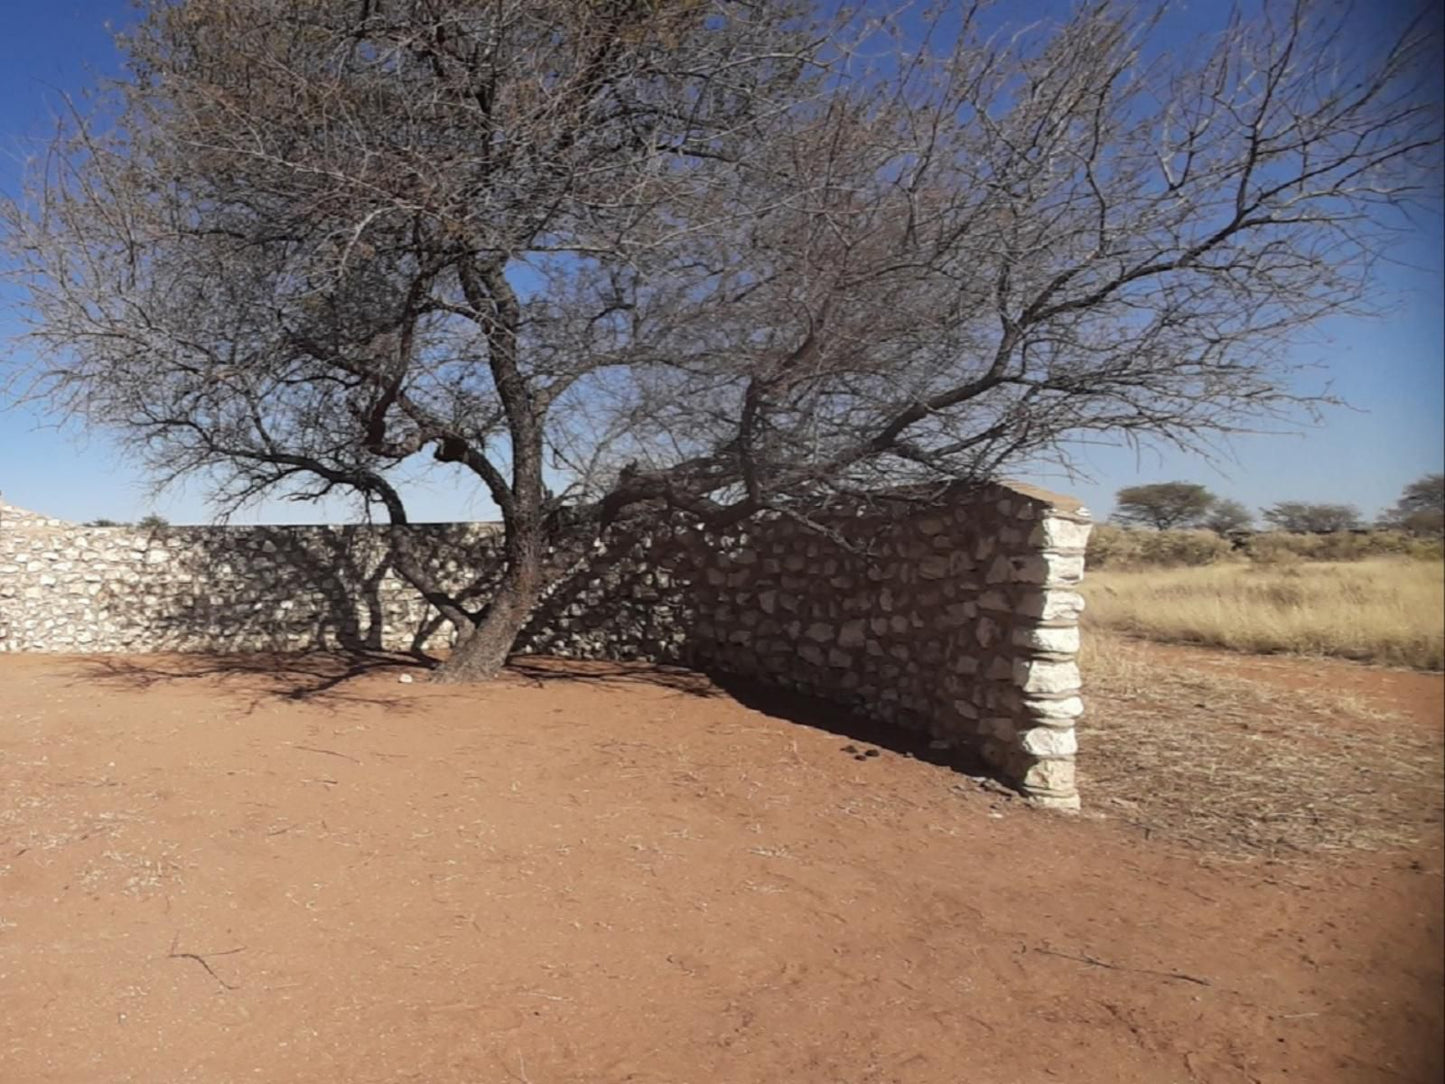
1192, 549
1121, 547
1281, 548
1428, 549
1112, 547
1128, 547
1356, 547
1285, 547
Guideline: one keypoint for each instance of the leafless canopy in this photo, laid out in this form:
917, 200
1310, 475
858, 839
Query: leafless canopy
723, 254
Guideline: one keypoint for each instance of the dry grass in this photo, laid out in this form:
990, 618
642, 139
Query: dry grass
1385, 610
1246, 769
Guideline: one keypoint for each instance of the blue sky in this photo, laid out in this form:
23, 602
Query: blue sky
1391, 370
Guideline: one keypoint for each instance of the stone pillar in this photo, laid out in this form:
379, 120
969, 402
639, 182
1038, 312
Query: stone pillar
1045, 670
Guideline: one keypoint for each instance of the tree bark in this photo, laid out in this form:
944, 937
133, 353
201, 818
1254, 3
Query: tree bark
483, 654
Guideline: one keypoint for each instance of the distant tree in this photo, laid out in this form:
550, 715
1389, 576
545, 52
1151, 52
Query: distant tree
1227, 516
1421, 507
1305, 518
104, 523
152, 522
1164, 504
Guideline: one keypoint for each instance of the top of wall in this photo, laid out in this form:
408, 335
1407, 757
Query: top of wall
1038, 503
12, 516
1056, 503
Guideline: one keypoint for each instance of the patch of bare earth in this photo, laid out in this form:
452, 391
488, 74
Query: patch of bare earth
211, 873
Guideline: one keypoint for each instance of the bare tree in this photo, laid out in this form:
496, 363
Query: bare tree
1304, 518
1228, 517
719, 255
1420, 509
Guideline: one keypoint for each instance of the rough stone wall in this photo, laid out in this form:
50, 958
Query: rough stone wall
12, 516
957, 617
106, 589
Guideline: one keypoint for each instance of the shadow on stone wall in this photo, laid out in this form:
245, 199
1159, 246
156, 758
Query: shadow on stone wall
289, 588
632, 599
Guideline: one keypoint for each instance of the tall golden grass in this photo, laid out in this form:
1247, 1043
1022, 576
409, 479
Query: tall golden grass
1384, 610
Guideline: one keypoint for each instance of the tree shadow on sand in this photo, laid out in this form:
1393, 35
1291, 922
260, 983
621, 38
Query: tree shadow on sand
325, 678
543, 670
330, 679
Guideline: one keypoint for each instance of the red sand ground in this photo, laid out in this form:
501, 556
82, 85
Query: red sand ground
614, 879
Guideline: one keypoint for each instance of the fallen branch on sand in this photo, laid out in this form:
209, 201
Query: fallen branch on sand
1096, 962
328, 752
201, 958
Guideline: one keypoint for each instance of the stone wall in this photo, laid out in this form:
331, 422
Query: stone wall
107, 589
955, 617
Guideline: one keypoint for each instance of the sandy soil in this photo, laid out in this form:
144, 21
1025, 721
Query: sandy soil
610, 875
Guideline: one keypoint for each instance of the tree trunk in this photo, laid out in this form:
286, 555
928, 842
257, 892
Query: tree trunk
483, 654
